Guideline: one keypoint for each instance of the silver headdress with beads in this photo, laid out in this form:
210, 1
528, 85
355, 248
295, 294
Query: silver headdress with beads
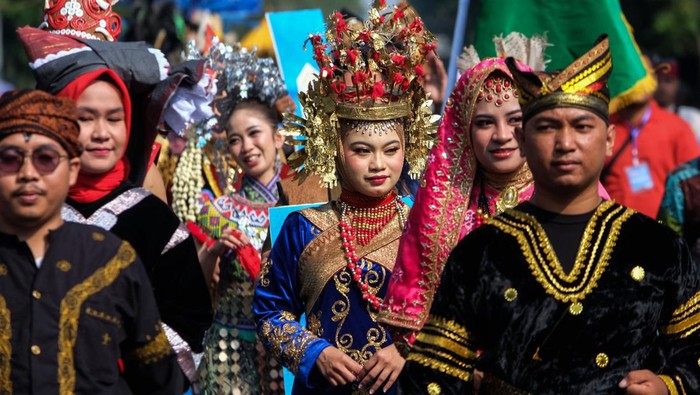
241, 76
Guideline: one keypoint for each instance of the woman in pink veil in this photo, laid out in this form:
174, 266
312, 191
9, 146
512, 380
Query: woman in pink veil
475, 170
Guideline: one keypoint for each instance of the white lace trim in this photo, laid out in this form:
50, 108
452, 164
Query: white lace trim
163, 65
51, 57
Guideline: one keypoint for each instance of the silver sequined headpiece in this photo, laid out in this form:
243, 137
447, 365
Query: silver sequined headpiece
241, 75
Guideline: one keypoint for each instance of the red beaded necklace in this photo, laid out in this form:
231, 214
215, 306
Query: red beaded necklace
369, 216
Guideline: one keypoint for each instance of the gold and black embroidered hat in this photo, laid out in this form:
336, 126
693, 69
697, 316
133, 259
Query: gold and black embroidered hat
582, 84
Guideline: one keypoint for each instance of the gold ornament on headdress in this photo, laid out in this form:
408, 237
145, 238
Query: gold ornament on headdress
582, 84
368, 72
497, 89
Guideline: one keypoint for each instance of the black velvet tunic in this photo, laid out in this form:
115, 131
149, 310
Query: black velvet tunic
65, 326
631, 302
166, 249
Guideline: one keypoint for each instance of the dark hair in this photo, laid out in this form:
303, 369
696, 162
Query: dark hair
269, 113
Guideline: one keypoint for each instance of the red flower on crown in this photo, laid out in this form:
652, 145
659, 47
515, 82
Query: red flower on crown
399, 60
419, 70
416, 26
377, 90
398, 14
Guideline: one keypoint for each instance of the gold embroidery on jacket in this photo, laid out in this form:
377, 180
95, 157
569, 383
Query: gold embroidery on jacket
444, 345
376, 336
103, 316
154, 350
592, 258
323, 257
288, 342
264, 271
685, 320
70, 312
314, 324
436, 359
5, 347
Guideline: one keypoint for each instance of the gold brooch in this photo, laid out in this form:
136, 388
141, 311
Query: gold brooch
602, 360
576, 308
638, 273
508, 198
511, 294
434, 389
63, 265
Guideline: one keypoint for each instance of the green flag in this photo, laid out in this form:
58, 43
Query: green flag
571, 27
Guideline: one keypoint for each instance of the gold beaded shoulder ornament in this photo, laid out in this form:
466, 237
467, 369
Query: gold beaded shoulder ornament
368, 72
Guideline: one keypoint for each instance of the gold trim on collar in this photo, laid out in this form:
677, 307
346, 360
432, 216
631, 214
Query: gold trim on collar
70, 312
592, 258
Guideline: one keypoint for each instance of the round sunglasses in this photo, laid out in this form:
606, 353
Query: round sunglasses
44, 159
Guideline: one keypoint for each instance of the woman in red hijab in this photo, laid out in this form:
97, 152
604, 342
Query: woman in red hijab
104, 196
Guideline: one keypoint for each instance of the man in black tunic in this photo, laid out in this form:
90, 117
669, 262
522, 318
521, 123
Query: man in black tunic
565, 294
77, 312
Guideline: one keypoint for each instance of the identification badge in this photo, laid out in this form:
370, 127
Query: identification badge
639, 177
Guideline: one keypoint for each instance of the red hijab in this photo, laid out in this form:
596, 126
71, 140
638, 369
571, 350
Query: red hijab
91, 187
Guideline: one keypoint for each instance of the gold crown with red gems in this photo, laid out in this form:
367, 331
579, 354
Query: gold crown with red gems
368, 72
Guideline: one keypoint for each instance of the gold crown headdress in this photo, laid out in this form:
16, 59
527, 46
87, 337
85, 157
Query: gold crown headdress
368, 72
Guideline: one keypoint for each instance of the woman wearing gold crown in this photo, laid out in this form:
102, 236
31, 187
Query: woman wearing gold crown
365, 116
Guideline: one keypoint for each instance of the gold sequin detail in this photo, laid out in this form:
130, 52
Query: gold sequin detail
3, 269
97, 236
576, 308
434, 389
5, 347
602, 360
597, 244
70, 312
638, 273
63, 265
314, 324
511, 294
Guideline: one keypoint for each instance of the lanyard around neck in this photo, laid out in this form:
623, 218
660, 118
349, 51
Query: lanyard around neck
635, 134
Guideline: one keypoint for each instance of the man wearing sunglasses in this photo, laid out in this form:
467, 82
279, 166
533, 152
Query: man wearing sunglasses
75, 301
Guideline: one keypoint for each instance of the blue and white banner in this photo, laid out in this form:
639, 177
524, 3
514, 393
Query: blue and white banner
289, 31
